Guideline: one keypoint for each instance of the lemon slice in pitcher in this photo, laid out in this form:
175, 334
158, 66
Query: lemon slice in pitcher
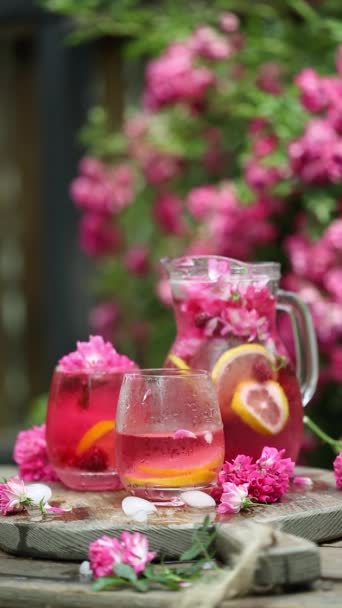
264, 407
245, 362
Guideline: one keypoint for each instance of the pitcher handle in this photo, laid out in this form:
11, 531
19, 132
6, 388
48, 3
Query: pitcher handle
305, 341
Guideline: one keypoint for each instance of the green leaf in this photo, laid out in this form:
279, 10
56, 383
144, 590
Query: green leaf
194, 551
125, 571
108, 582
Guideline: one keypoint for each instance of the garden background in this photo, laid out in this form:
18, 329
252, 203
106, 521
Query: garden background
131, 130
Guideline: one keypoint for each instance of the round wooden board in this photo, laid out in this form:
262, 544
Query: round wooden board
314, 515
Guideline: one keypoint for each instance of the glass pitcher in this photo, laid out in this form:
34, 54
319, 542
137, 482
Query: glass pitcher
226, 324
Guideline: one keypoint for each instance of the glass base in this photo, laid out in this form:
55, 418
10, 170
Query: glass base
164, 496
89, 481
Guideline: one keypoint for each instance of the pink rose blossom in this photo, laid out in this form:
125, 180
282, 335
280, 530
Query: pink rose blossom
174, 77
13, 496
234, 498
92, 168
184, 434
237, 471
103, 319
269, 78
265, 145
101, 188
260, 177
304, 483
30, 454
313, 95
160, 168
338, 470
168, 213
104, 554
136, 260
136, 553
163, 291
229, 22
333, 235
273, 459
201, 201
98, 235
95, 355
333, 283
131, 549
207, 43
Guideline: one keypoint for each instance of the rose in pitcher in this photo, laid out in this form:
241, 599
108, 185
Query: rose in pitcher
226, 324
81, 415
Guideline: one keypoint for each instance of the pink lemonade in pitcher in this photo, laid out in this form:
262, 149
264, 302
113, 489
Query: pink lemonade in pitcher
169, 433
81, 416
226, 323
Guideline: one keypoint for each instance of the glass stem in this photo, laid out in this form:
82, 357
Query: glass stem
334, 443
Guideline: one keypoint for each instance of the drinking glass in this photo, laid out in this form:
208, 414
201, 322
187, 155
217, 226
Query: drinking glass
81, 428
169, 433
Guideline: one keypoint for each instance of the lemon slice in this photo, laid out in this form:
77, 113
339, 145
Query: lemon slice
166, 472
263, 406
244, 362
172, 482
178, 362
234, 354
94, 434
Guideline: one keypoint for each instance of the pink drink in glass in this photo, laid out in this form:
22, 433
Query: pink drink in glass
152, 465
80, 428
169, 433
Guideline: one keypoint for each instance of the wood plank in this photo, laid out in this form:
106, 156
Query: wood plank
315, 515
331, 563
316, 598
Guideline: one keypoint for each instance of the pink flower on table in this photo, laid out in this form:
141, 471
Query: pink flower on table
168, 213
267, 486
338, 470
207, 43
13, 496
104, 554
136, 260
273, 460
30, 454
98, 235
103, 319
234, 498
136, 553
237, 471
95, 355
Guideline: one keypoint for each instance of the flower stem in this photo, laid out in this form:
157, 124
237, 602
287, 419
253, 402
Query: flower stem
334, 443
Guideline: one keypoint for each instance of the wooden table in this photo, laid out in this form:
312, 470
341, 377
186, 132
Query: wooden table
27, 582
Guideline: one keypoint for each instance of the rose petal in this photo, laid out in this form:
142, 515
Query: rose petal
197, 499
184, 434
38, 492
131, 505
140, 516
305, 483
85, 571
208, 437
